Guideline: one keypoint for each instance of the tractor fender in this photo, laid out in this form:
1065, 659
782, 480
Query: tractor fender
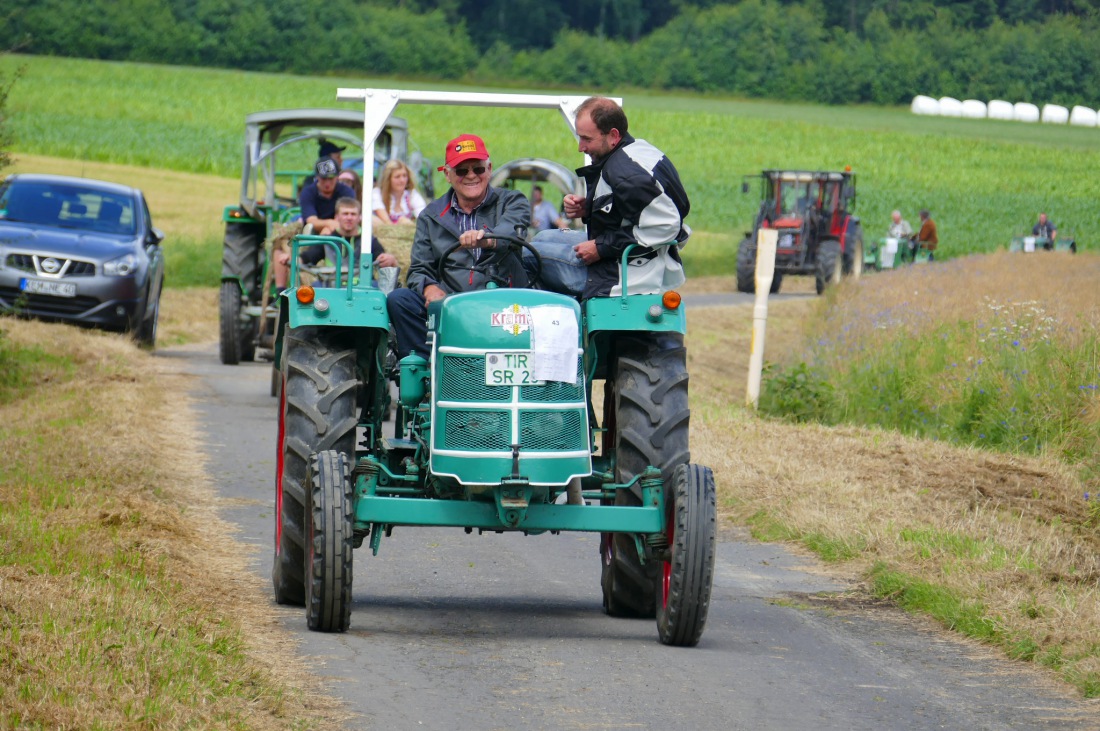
849, 221
632, 314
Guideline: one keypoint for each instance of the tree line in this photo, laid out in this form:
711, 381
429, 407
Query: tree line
831, 51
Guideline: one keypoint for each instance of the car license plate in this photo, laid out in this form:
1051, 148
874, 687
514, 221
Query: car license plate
509, 369
42, 286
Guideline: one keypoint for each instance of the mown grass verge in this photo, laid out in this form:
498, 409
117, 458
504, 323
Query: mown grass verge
122, 604
985, 515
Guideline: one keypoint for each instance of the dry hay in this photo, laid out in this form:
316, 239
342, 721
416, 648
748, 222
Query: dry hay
131, 456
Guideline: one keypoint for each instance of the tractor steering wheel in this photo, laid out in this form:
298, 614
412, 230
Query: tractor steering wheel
489, 262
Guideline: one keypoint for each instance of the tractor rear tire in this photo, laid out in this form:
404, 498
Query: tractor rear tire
650, 421
746, 267
687, 575
853, 253
329, 544
241, 256
317, 412
829, 265
229, 315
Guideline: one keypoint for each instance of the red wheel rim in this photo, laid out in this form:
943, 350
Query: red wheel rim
279, 468
666, 565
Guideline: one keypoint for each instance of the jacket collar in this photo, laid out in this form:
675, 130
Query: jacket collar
594, 169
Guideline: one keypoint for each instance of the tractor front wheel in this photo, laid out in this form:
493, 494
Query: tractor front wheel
829, 265
647, 399
853, 252
328, 556
746, 267
317, 412
229, 315
687, 574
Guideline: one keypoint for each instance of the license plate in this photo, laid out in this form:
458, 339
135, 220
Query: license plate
509, 369
42, 286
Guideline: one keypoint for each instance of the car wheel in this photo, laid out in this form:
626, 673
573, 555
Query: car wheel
147, 329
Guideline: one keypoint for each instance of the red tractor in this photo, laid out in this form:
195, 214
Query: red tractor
812, 211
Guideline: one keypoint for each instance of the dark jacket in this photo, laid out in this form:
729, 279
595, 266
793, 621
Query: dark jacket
634, 197
312, 203
437, 231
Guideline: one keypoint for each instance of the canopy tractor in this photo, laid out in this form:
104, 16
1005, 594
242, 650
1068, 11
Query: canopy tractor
818, 235
280, 148
496, 430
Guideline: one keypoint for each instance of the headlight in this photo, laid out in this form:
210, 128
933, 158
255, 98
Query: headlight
121, 267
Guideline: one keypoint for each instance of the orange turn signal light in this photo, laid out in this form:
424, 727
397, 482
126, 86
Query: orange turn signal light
305, 295
670, 299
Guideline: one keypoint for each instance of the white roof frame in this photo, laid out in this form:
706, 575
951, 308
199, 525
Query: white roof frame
379, 105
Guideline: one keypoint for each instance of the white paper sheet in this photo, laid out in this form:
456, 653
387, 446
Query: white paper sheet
554, 343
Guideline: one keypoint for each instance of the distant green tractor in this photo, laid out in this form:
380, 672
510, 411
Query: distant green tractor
1028, 243
496, 431
891, 252
280, 148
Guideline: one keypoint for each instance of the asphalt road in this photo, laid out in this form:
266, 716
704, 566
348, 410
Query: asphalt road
456, 631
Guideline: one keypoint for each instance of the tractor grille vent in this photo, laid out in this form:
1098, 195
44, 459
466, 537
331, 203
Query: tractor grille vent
463, 379
556, 390
552, 430
477, 430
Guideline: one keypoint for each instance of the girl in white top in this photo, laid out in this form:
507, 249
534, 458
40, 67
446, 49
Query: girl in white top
396, 199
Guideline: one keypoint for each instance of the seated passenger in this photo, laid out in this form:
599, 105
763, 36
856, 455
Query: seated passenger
463, 215
318, 205
396, 199
634, 197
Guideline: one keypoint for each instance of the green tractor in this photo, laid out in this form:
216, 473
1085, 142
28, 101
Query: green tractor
1027, 243
491, 432
891, 252
280, 148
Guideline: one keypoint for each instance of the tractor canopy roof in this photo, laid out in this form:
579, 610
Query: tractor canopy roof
806, 176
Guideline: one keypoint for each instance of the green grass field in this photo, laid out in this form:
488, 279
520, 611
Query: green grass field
982, 180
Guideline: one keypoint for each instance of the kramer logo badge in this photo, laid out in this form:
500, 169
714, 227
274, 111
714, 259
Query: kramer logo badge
514, 319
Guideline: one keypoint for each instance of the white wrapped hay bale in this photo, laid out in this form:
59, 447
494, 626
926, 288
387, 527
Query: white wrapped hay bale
973, 109
1000, 109
1083, 117
1025, 112
1054, 114
925, 105
950, 107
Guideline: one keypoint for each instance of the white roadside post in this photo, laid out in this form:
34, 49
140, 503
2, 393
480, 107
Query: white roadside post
766, 240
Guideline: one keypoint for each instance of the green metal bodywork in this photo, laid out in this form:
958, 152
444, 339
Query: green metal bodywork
1028, 243
879, 256
483, 455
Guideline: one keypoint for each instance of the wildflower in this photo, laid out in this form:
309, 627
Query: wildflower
1016, 343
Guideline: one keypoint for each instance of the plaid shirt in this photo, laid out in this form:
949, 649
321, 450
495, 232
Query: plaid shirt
466, 221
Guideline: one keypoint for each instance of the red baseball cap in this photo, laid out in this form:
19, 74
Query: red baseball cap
464, 147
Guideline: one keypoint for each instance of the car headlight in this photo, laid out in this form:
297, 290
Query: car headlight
121, 267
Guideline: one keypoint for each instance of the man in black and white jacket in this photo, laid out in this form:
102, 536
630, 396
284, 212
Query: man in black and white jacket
634, 196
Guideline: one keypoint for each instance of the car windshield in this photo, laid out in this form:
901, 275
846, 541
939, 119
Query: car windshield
67, 206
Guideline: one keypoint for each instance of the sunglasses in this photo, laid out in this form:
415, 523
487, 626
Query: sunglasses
464, 171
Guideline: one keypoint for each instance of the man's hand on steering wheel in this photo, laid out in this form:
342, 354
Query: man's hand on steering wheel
492, 255
476, 239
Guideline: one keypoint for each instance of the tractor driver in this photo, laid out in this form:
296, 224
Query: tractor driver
463, 215
899, 227
1046, 229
